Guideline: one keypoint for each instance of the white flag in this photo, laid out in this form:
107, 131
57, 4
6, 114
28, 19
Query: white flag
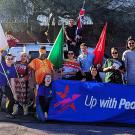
3, 39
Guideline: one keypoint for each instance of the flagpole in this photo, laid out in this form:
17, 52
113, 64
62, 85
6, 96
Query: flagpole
6, 76
61, 71
63, 26
3, 45
83, 4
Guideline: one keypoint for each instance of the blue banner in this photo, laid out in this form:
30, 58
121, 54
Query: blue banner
93, 102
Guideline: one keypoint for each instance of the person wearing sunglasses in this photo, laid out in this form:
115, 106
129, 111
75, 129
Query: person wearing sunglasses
114, 68
70, 67
129, 60
7, 73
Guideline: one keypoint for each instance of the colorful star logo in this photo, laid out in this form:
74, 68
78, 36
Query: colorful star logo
66, 102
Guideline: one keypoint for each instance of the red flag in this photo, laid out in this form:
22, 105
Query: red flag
80, 21
100, 47
12, 41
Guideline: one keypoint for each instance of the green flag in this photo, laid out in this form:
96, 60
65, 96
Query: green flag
56, 53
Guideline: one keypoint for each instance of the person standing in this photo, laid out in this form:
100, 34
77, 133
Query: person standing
21, 85
41, 66
85, 58
114, 68
129, 60
7, 72
71, 40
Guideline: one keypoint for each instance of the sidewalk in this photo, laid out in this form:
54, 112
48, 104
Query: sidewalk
18, 118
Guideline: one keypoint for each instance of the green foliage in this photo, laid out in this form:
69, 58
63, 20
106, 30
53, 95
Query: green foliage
63, 8
119, 22
13, 7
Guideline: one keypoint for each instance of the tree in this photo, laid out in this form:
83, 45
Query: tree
112, 11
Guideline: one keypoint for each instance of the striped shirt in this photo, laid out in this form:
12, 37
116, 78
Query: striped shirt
70, 66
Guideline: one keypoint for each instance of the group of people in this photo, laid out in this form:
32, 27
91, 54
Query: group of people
28, 83
80, 68
121, 71
116, 70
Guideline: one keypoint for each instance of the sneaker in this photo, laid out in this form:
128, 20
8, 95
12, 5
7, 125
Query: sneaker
46, 115
10, 116
15, 109
25, 110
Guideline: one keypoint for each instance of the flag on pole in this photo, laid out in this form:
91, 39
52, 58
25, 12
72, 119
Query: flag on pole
80, 22
100, 47
3, 40
56, 53
11, 40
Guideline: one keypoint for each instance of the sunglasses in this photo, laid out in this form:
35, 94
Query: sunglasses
24, 56
9, 59
70, 53
131, 43
114, 52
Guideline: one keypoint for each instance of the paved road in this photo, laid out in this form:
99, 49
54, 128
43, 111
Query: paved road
29, 126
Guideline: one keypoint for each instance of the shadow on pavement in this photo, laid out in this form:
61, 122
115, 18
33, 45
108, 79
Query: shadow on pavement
60, 127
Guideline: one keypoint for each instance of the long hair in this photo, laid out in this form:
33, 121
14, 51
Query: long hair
43, 82
97, 77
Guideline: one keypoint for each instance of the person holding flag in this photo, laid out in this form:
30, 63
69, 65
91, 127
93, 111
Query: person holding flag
7, 72
74, 33
41, 66
70, 33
